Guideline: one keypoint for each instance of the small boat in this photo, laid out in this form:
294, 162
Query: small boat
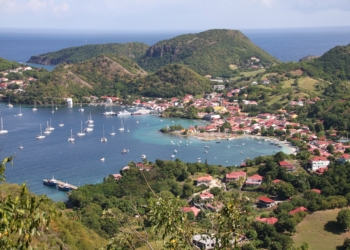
207, 146
143, 156
81, 133
47, 131
51, 183
172, 156
34, 108
88, 129
102, 159
128, 130
64, 187
112, 133
21, 147
9, 104
81, 107
175, 151
50, 127
124, 151
243, 143
218, 142
206, 152
2, 130
53, 110
20, 113
41, 136
199, 160
124, 112
137, 121
228, 146
103, 139
71, 138
122, 126
89, 121
91, 125
56, 107
61, 124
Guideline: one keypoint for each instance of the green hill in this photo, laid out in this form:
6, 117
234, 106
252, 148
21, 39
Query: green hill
82, 53
210, 52
5, 64
173, 80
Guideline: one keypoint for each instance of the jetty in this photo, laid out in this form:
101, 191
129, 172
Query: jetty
67, 184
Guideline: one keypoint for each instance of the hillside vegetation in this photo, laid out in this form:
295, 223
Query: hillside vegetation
5, 64
81, 53
210, 52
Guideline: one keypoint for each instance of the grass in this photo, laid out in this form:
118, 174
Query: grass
307, 83
233, 66
156, 245
320, 231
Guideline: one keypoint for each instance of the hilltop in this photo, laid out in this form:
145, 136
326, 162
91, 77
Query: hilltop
82, 53
215, 52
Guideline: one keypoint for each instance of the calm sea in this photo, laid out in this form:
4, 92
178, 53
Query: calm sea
80, 163
284, 44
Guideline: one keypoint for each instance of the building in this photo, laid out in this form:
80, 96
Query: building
271, 220
234, 176
219, 87
204, 180
117, 177
319, 162
204, 241
206, 195
191, 209
299, 209
254, 180
288, 166
263, 201
344, 159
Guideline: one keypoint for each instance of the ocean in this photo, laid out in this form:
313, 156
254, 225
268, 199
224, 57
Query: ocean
79, 163
284, 44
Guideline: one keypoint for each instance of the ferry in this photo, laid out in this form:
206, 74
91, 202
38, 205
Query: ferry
52, 182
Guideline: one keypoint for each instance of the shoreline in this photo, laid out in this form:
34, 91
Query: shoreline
211, 136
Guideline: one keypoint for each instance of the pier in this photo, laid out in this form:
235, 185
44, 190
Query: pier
67, 184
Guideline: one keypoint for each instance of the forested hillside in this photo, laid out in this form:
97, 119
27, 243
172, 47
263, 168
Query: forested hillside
210, 52
78, 54
5, 64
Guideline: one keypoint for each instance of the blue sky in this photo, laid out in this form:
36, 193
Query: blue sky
172, 15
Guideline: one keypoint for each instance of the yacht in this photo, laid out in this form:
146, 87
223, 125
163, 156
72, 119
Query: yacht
141, 112
51, 183
143, 156
124, 151
50, 127
2, 130
47, 131
90, 121
124, 112
103, 139
88, 129
81, 133
41, 136
71, 138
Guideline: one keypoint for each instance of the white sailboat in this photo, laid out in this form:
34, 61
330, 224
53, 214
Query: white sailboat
53, 111
122, 126
61, 124
20, 111
81, 133
81, 107
103, 139
71, 138
3, 131
90, 121
50, 127
34, 108
41, 136
128, 129
9, 104
21, 147
112, 133
47, 131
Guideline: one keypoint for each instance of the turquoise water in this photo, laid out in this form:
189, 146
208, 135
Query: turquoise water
80, 164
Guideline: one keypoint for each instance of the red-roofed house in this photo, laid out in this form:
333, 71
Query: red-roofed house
344, 159
206, 196
191, 209
254, 180
290, 167
117, 177
319, 162
234, 176
299, 209
316, 190
270, 221
204, 180
276, 181
266, 202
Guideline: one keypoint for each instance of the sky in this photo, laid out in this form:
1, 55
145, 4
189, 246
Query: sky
172, 15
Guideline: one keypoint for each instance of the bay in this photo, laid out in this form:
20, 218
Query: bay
80, 163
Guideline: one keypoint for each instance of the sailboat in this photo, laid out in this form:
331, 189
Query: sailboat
81, 107
53, 111
50, 127
103, 139
112, 133
9, 104
71, 138
47, 131
61, 124
128, 129
81, 133
3, 131
41, 136
20, 112
122, 126
34, 108
90, 121
21, 147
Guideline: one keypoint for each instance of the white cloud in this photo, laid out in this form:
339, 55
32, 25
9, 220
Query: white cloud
36, 4
64, 7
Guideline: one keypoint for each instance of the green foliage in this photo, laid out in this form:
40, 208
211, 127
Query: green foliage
172, 128
199, 51
78, 54
5, 64
343, 218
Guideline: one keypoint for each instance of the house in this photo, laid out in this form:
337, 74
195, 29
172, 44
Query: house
254, 83
219, 87
290, 167
263, 201
318, 162
270, 221
276, 181
234, 176
299, 209
204, 241
316, 190
117, 177
266, 81
204, 180
344, 159
206, 196
254, 180
191, 209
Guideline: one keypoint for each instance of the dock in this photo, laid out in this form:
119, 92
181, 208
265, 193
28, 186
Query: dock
67, 184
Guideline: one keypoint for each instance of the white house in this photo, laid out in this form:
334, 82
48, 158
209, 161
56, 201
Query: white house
319, 162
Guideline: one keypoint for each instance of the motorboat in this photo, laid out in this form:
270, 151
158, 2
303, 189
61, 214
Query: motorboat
102, 159
124, 151
141, 112
199, 160
207, 146
143, 156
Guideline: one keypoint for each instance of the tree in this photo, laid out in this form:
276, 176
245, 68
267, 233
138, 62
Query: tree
343, 218
285, 190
